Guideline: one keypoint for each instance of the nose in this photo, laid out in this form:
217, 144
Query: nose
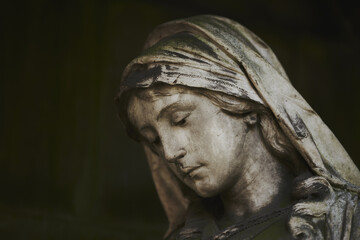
173, 152
173, 148
174, 158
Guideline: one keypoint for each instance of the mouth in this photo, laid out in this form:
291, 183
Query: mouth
187, 171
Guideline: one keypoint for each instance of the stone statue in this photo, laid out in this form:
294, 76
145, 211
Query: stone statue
235, 151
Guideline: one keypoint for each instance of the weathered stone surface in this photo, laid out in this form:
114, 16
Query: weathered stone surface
235, 151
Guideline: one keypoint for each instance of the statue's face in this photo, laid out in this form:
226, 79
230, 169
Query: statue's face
201, 144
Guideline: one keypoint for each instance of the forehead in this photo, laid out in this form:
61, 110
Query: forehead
146, 104
160, 90
140, 106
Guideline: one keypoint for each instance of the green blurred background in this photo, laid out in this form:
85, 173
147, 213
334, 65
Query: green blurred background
68, 171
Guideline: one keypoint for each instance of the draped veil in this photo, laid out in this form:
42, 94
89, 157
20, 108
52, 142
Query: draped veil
218, 54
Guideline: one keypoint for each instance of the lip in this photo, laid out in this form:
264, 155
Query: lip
188, 170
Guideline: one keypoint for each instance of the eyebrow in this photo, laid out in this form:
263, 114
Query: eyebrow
175, 107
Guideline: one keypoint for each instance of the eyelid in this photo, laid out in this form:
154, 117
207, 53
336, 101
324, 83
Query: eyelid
179, 116
174, 108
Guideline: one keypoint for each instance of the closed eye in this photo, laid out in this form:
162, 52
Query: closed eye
182, 122
180, 118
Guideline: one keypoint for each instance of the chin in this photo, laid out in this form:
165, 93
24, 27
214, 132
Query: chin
206, 191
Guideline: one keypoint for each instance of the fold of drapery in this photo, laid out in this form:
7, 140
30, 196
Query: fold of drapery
221, 55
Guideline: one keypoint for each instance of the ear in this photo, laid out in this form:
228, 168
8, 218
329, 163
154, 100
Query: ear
251, 119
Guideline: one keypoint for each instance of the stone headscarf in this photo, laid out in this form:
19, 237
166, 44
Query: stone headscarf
218, 54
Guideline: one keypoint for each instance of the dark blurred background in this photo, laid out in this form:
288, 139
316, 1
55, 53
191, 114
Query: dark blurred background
67, 170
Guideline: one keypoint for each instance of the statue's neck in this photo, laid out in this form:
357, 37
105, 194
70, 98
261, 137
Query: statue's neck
263, 186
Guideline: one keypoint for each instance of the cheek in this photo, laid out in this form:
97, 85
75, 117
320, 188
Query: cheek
207, 136
232, 137
219, 141
223, 149
215, 143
